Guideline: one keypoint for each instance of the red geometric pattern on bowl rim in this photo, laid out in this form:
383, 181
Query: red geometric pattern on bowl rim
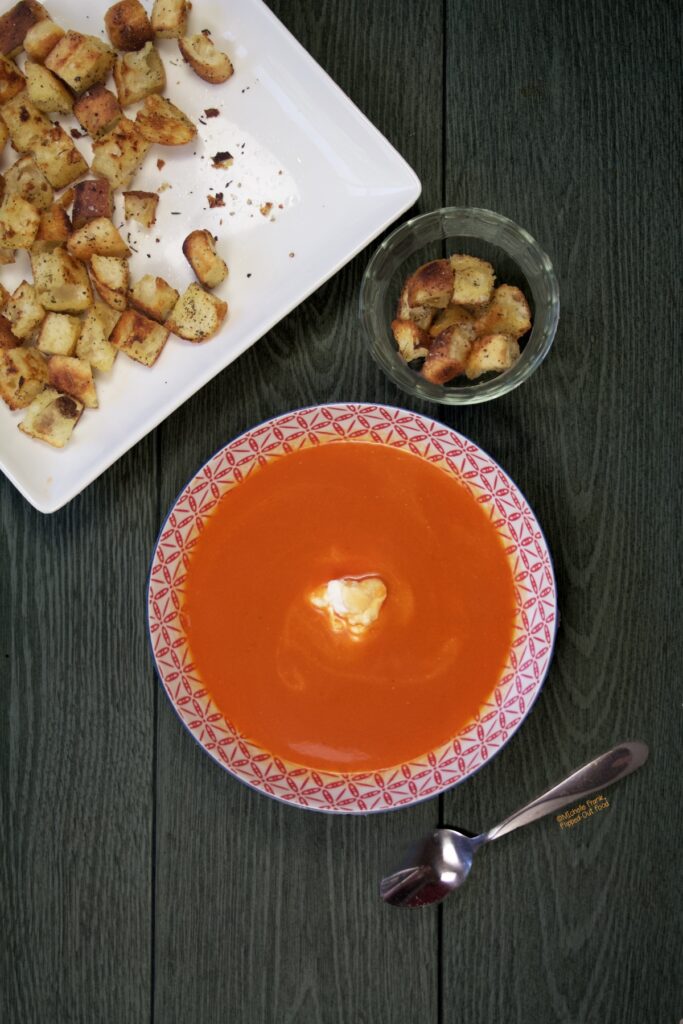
497, 720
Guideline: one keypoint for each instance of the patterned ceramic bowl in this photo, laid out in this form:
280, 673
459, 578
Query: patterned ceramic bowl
436, 770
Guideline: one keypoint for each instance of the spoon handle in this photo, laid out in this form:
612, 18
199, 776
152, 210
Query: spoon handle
596, 775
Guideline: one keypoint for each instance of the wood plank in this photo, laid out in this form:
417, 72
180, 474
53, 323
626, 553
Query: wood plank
76, 731
265, 913
570, 133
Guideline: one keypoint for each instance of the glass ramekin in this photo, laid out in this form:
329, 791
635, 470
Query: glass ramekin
516, 258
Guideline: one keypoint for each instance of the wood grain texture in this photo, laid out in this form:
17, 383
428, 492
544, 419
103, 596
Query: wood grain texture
76, 731
578, 146
265, 914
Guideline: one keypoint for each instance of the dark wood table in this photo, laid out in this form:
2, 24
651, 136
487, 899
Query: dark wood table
139, 881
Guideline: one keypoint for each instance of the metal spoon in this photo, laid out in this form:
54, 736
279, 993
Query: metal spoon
441, 861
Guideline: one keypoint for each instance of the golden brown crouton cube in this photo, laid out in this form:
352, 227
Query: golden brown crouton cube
154, 297
24, 311
169, 18
23, 375
199, 249
59, 333
73, 377
451, 315
431, 285
4, 296
62, 282
15, 23
139, 74
25, 123
197, 315
93, 343
46, 91
41, 39
92, 199
412, 341
8, 338
58, 158
508, 313
24, 178
52, 417
205, 59
11, 80
494, 353
111, 277
54, 229
19, 223
118, 156
127, 25
98, 237
139, 338
473, 280
162, 122
447, 356
80, 61
98, 111
141, 207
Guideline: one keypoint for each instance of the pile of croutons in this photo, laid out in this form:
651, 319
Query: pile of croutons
55, 332
452, 319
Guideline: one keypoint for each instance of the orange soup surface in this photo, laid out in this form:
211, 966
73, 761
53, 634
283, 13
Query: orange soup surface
270, 659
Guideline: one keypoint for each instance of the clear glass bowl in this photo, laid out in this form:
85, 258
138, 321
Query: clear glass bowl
516, 258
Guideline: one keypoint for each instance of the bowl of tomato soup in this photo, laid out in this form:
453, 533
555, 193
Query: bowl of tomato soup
351, 608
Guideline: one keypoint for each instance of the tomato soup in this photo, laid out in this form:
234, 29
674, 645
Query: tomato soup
269, 657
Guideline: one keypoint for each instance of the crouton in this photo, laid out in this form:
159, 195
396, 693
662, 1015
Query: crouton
23, 375
473, 280
111, 277
46, 91
205, 59
447, 357
24, 121
73, 377
59, 333
431, 285
80, 61
161, 121
54, 229
92, 199
128, 26
66, 198
51, 417
154, 297
139, 74
24, 178
97, 237
15, 23
4, 296
508, 313
421, 315
24, 311
200, 251
141, 207
11, 80
93, 343
41, 39
117, 156
140, 338
62, 283
8, 338
169, 18
197, 315
412, 341
454, 315
98, 111
19, 222
494, 353
58, 158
